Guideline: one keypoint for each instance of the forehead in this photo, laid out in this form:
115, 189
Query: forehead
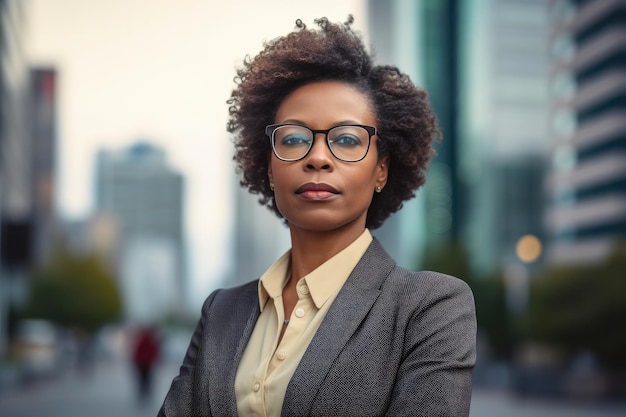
326, 103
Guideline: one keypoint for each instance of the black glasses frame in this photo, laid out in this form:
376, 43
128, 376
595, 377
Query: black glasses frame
271, 129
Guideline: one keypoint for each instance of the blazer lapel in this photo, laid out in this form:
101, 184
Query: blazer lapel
349, 309
245, 312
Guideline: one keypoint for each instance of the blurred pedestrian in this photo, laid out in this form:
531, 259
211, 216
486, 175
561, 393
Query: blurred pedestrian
333, 145
145, 355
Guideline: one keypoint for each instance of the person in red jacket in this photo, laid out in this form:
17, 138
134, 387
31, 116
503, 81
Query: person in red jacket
145, 356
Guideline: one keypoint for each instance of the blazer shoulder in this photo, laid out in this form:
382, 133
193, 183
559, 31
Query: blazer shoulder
425, 285
231, 295
435, 279
246, 288
378, 269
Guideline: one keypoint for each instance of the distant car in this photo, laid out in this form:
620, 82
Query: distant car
37, 347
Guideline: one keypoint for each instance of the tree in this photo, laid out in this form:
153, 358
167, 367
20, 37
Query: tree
492, 317
581, 309
74, 291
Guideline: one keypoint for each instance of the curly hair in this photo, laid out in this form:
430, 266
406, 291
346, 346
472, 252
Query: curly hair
406, 124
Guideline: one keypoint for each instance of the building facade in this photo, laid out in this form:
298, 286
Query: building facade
143, 196
503, 126
16, 148
43, 132
16, 205
484, 65
587, 180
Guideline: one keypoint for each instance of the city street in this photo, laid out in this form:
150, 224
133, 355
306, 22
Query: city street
109, 391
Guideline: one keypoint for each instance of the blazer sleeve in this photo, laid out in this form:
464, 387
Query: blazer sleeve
434, 378
179, 399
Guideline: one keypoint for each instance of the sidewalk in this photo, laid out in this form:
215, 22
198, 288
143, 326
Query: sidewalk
109, 390
491, 403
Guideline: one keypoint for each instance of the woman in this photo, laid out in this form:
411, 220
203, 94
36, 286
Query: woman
334, 327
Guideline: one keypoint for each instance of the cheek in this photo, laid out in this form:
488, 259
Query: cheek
361, 186
280, 178
367, 179
279, 198
278, 172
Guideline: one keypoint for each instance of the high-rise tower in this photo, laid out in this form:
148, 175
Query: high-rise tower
145, 197
587, 183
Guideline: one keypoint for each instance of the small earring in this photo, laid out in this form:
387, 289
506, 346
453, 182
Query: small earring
378, 189
271, 186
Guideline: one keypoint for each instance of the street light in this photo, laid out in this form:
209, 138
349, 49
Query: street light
528, 248
516, 275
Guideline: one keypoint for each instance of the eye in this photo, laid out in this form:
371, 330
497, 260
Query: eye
294, 139
346, 139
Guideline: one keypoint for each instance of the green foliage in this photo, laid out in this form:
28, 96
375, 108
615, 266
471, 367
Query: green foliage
492, 316
451, 259
74, 291
581, 308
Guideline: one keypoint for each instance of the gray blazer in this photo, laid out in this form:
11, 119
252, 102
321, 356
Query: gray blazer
394, 343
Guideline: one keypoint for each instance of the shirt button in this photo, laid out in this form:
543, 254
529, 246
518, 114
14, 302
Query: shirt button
256, 386
299, 312
281, 355
303, 289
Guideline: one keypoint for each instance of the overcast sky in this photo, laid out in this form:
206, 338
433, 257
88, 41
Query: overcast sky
160, 70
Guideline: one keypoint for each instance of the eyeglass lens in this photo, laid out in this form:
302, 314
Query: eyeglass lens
348, 143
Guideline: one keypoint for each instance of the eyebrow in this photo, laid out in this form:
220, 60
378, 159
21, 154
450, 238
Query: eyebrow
301, 123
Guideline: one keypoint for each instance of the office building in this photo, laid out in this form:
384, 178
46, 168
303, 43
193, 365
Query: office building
43, 125
484, 65
16, 204
503, 127
16, 148
587, 180
137, 190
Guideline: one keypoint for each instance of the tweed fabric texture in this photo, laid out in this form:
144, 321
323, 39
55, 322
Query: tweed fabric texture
394, 343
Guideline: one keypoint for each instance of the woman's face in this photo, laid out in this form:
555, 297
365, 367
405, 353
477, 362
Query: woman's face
320, 192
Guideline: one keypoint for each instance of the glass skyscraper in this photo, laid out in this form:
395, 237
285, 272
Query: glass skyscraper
587, 181
484, 64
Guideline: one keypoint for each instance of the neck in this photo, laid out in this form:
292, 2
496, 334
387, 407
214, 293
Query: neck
309, 249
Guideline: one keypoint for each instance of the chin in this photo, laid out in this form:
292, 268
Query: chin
326, 224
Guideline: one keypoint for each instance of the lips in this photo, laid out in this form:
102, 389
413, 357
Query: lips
318, 192
316, 187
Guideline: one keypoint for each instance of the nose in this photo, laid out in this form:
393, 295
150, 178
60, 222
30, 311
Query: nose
319, 157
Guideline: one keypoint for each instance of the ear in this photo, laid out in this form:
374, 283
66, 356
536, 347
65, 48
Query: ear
382, 168
270, 174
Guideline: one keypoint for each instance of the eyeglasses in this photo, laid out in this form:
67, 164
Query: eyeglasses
348, 143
